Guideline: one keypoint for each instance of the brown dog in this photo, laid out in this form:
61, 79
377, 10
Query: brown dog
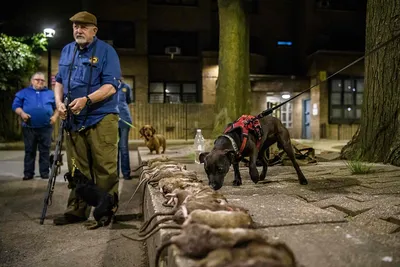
153, 141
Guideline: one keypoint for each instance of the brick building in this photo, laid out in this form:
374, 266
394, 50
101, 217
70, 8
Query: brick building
169, 55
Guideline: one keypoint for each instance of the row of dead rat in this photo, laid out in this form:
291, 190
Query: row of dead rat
207, 230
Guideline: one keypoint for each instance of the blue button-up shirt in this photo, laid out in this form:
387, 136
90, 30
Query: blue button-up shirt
124, 98
40, 104
105, 69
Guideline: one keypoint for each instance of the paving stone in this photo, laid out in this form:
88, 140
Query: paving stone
394, 190
352, 207
361, 198
380, 185
343, 246
274, 210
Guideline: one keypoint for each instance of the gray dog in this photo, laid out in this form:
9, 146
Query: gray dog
225, 152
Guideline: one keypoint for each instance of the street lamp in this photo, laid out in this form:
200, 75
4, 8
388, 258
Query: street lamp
49, 33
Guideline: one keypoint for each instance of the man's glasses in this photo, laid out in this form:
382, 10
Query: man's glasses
39, 80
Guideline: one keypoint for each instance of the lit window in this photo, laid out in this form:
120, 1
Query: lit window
284, 113
345, 100
284, 43
173, 92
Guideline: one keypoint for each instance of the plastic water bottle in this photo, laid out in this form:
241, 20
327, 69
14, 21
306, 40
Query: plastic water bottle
199, 145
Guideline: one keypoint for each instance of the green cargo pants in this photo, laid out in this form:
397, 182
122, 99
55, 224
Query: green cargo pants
94, 152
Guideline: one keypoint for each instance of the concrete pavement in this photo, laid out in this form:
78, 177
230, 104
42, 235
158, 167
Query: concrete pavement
338, 219
24, 242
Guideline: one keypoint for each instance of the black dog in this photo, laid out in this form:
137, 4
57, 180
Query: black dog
106, 205
225, 153
59, 163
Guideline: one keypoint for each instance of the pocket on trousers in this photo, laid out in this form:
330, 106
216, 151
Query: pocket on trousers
110, 139
108, 128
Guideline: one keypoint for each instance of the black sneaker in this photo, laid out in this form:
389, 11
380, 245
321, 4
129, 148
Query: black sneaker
27, 178
44, 176
68, 219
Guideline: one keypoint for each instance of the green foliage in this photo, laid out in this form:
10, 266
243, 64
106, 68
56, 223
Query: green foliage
357, 166
19, 58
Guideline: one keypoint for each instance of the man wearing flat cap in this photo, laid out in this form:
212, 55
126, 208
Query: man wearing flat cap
88, 74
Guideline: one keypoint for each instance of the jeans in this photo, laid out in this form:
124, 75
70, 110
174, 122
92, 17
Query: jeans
35, 138
123, 152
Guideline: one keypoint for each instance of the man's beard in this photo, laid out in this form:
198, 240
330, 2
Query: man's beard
81, 40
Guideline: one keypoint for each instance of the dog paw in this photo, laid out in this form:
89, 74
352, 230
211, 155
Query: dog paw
237, 183
92, 225
255, 179
303, 181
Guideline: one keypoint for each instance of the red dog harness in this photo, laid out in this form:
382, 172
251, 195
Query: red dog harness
246, 124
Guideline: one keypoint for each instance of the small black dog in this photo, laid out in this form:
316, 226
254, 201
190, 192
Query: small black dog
59, 163
106, 205
225, 152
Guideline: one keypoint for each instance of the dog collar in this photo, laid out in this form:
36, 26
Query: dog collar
235, 148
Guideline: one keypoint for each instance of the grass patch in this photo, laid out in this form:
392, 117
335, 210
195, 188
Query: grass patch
191, 156
359, 167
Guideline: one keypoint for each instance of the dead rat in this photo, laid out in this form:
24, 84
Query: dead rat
211, 214
202, 198
252, 254
197, 240
156, 174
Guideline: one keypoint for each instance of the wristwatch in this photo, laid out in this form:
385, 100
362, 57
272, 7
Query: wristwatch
88, 101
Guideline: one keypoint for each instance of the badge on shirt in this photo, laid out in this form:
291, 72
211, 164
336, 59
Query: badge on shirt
124, 89
94, 60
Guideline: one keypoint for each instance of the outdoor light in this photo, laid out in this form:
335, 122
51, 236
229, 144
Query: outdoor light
49, 32
349, 109
286, 96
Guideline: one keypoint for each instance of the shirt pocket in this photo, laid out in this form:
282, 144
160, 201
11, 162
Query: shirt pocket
94, 78
63, 68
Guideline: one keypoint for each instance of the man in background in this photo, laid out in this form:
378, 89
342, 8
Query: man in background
124, 99
37, 108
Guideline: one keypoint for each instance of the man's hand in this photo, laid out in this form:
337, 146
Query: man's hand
62, 110
53, 119
77, 105
25, 117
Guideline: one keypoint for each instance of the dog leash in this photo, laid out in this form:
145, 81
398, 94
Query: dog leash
270, 110
127, 123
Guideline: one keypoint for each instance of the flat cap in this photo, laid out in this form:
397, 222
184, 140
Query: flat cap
84, 17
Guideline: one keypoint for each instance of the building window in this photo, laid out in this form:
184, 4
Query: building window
175, 2
284, 113
347, 5
158, 41
173, 92
120, 34
345, 100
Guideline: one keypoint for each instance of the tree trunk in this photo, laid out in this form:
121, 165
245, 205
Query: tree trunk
233, 86
378, 137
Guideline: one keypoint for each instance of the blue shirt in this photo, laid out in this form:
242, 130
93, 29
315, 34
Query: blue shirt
40, 104
105, 70
124, 98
